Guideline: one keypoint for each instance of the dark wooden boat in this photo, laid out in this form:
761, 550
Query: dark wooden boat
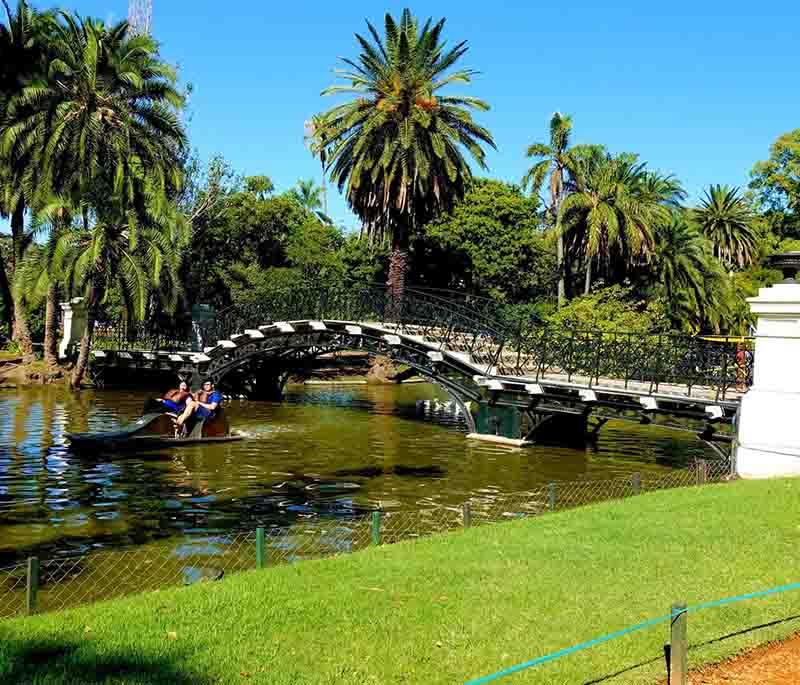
156, 430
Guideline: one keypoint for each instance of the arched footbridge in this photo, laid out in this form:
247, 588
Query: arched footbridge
511, 378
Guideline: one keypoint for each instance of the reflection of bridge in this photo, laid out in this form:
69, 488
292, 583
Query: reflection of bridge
510, 378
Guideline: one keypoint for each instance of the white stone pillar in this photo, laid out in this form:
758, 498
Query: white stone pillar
769, 419
74, 318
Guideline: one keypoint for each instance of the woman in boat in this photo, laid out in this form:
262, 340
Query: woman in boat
175, 400
204, 405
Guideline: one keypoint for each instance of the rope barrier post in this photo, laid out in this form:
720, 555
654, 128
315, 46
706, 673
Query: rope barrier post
32, 585
376, 528
636, 482
678, 647
259, 547
467, 515
551, 497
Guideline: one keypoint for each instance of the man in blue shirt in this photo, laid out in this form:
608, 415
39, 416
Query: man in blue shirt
204, 404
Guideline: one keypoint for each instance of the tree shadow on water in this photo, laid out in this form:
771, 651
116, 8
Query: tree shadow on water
60, 662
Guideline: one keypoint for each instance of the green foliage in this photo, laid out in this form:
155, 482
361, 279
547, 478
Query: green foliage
260, 186
613, 308
690, 281
777, 180
491, 244
260, 243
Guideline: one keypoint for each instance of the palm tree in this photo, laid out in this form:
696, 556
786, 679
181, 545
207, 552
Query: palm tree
608, 215
398, 147
555, 160
104, 128
105, 256
726, 220
39, 277
687, 272
308, 194
106, 114
24, 46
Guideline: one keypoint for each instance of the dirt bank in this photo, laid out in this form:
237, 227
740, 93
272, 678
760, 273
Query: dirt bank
16, 373
773, 664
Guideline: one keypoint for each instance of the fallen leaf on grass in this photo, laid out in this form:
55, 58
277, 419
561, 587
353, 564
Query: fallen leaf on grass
87, 630
172, 635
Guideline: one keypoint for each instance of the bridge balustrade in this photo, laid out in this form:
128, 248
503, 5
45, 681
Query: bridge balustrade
456, 323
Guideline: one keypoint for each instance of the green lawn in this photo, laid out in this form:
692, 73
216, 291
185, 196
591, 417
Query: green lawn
448, 608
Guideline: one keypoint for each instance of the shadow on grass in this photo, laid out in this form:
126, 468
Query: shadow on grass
59, 662
715, 640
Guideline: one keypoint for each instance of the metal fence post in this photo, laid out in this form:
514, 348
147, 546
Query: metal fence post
259, 547
551, 497
636, 482
376, 528
467, 515
32, 586
678, 647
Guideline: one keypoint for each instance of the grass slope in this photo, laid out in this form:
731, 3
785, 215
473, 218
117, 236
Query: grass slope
445, 609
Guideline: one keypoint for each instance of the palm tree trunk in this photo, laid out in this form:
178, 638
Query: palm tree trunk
5, 297
82, 365
50, 325
21, 333
587, 286
398, 266
324, 191
562, 277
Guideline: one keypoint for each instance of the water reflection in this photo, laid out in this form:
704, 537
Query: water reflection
339, 451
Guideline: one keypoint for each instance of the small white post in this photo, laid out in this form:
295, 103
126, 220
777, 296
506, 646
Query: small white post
769, 419
75, 320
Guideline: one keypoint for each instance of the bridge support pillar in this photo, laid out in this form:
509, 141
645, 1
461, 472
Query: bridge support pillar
769, 419
499, 424
75, 322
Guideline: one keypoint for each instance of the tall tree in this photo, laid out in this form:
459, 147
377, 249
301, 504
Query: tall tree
102, 257
555, 162
397, 149
776, 182
609, 215
104, 128
308, 194
727, 221
691, 279
40, 278
24, 46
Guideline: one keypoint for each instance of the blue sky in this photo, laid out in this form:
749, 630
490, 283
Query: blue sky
698, 89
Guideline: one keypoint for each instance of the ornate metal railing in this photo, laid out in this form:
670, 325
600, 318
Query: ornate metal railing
663, 363
463, 324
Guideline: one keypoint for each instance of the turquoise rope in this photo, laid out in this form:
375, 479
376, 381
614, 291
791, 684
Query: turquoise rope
627, 631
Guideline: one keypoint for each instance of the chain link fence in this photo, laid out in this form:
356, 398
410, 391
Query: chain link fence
58, 583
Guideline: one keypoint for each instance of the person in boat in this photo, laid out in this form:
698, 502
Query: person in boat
204, 405
175, 400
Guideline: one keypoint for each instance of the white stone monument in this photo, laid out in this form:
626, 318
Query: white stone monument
74, 318
769, 419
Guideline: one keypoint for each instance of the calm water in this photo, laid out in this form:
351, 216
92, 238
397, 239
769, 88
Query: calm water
334, 450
